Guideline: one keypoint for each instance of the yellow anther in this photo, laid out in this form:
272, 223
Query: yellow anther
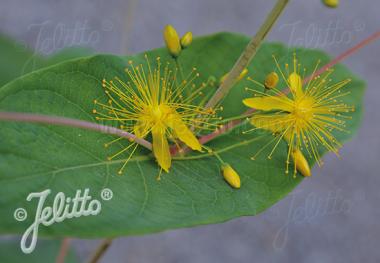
271, 80
172, 40
231, 176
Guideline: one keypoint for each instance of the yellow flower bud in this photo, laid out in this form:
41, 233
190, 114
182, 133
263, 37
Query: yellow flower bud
241, 76
186, 39
301, 163
331, 3
172, 40
271, 80
231, 176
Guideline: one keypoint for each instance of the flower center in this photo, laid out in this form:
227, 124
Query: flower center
303, 109
158, 114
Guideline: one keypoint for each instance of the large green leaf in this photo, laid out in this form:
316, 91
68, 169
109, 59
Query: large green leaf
37, 157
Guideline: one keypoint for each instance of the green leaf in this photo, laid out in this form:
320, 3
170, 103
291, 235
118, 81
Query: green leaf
17, 60
38, 157
10, 252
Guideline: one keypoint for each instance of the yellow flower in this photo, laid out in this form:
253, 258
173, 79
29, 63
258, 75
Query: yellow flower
151, 103
231, 176
172, 40
306, 118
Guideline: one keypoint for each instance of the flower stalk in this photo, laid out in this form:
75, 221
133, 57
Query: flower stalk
248, 54
100, 250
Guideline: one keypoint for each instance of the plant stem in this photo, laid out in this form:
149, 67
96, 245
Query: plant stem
65, 244
46, 119
247, 55
100, 250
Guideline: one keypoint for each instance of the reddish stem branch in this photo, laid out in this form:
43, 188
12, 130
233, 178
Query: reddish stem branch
46, 119
64, 249
345, 54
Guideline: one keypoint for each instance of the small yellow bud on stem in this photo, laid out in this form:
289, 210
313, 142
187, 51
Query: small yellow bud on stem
241, 76
186, 39
271, 80
301, 163
172, 40
231, 176
331, 3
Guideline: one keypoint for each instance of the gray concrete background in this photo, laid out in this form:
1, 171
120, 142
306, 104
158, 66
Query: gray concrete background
332, 217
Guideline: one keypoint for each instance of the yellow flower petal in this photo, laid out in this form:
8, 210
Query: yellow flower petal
182, 132
161, 147
267, 103
274, 123
295, 83
141, 129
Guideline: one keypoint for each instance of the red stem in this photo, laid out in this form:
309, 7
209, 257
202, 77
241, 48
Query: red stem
46, 119
63, 250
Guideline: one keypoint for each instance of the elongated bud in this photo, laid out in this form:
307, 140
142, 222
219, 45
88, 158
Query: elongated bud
271, 80
231, 176
331, 3
241, 76
172, 40
301, 163
186, 39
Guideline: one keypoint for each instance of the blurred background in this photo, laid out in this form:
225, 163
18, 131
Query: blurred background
331, 217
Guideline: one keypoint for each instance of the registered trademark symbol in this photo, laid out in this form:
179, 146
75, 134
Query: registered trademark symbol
106, 194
